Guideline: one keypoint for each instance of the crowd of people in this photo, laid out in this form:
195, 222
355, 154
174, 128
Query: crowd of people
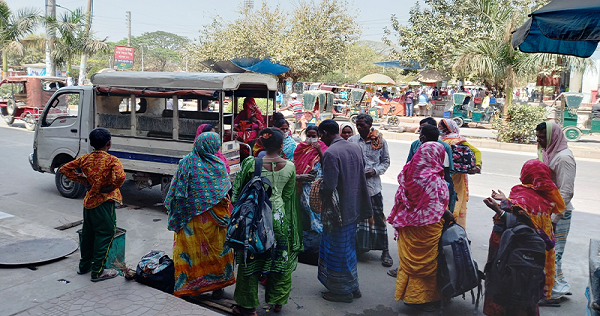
348, 218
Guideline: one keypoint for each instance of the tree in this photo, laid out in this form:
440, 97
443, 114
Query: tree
162, 50
13, 28
34, 50
493, 59
312, 40
73, 39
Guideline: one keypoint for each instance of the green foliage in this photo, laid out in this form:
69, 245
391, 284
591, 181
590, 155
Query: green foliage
161, 51
312, 40
14, 26
519, 125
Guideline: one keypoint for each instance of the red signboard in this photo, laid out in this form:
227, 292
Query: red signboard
124, 57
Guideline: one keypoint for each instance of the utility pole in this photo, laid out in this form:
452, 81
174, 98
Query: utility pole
129, 28
50, 37
142, 47
88, 25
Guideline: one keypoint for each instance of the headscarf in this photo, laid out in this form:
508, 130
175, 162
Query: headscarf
346, 124
200, 183
306, 156
537, 193
454, 130
251, 109
203, 128
422, 195
556, 141
289, 146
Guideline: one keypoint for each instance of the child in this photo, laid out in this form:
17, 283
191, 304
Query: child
102, 174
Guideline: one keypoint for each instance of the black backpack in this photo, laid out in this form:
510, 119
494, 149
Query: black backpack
156, 270
251, 225
457, 272
515, 275
463, 158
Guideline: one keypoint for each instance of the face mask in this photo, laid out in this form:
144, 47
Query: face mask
442, 134
311, 140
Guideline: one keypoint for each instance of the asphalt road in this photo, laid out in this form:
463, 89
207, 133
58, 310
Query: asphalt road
33, 196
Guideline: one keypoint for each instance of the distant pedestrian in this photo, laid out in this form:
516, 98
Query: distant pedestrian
344, 175
198, 208
372, 233
423, 104
451, 135
103, 175
410, 95
555, 153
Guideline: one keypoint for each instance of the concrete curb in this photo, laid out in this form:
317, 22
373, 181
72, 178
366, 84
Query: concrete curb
578, 151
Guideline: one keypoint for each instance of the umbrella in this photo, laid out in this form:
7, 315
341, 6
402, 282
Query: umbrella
429, 76
377, 79
561, 27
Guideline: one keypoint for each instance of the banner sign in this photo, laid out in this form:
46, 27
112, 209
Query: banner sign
124, 57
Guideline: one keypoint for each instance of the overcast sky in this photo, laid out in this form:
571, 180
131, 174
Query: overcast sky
185, 17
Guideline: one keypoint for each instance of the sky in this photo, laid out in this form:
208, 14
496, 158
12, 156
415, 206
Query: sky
185, 17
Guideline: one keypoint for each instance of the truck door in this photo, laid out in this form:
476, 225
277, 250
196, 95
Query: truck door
59, 129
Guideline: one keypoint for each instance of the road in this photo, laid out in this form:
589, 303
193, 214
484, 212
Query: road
33, 196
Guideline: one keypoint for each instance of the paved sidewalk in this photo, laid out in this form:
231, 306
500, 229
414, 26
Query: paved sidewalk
117, 297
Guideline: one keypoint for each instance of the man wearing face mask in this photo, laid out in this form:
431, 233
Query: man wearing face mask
372, 234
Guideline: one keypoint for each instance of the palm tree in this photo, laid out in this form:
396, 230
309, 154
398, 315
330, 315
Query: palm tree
493, 58
73, 39
13, 28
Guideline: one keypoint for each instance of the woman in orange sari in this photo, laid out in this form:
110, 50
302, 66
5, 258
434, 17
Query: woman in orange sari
533, 201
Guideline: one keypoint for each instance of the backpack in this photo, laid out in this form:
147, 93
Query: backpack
515, 274
457, 272
463, 158
251, 225
156, 270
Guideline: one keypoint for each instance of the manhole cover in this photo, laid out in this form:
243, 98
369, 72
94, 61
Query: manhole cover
36, 251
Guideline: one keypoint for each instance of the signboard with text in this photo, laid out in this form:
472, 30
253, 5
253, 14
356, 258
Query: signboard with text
124, 57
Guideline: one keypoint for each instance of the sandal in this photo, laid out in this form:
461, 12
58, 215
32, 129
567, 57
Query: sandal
393, 272
277, 308
106, 274
238, 310
342, 298
386, 259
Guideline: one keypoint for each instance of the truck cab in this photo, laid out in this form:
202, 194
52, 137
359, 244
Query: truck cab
152, 116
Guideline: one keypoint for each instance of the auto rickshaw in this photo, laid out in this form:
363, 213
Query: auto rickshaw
463, 111
390, 115
566, 117
27, 98
317, 106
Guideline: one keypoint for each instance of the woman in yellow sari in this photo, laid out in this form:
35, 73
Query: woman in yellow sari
199, 213
451, 135
420, 204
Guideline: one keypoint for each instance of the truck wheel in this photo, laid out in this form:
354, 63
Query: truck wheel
66, 187
353, 118
9, 119
29, 122
165, 185
459, 121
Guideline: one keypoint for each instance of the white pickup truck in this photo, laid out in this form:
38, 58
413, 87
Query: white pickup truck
150, 130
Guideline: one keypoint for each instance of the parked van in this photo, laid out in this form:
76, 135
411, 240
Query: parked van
152, 116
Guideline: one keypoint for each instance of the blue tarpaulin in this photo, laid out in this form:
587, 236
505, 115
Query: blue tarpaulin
240, 65
561, 27
409, 65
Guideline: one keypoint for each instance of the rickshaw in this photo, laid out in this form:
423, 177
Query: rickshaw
27, 98
390, 115
313, 101
461, 108
566, 117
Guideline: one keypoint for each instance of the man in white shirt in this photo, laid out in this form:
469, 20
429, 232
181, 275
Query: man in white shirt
554, 152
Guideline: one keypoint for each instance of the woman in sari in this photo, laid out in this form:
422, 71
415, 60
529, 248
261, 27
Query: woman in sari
533, 201
420, 204
308, 156
450, 133
204, 128
346, 130
279, 262
289, 144
198, 208
248, 123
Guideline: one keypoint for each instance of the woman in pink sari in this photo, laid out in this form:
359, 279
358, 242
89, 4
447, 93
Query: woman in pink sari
307, 159
209, 128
